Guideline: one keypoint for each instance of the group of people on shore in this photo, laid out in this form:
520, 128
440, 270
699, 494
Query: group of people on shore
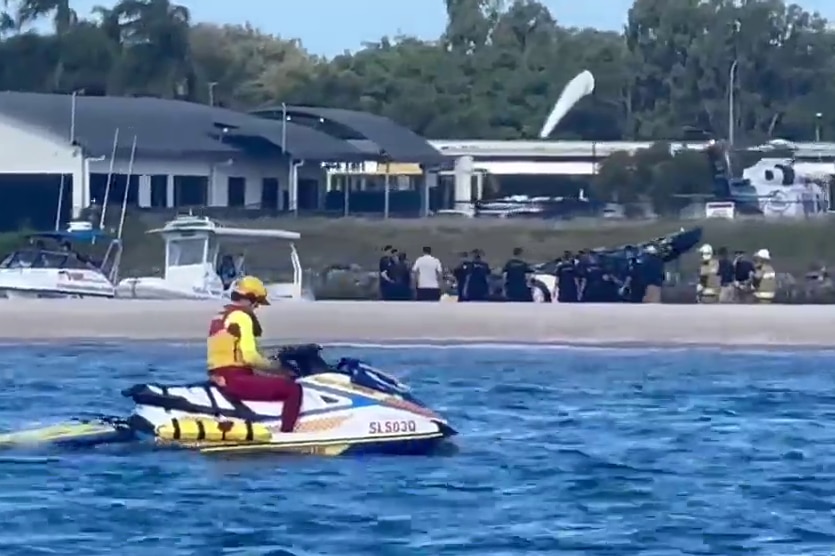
740, 279
592, 277
426, 280
584, 277
401, 280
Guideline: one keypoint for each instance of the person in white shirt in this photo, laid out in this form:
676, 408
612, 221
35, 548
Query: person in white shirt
428, 274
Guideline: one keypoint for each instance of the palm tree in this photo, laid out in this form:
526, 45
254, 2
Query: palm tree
64, 19
155, 36
63, 16
7, 22
144, 20
109, 23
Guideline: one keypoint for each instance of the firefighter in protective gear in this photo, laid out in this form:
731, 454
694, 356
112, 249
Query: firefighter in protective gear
707, 290
233, 358
765, 279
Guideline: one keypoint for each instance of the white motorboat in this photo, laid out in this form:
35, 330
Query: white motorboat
50, 267
193, 265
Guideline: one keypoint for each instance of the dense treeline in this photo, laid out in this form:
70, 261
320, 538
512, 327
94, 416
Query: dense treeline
493, 74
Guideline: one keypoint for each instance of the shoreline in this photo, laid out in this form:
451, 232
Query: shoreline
368, 322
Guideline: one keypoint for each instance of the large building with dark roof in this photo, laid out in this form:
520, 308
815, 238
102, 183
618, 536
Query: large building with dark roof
183, 154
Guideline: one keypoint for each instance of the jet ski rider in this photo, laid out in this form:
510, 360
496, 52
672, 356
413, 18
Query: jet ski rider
233, 358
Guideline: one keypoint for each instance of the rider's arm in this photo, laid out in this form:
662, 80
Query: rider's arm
246, 341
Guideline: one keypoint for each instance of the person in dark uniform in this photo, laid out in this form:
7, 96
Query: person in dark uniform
568, 287
460, 273
726, 277
610, 285
592, 279
400, 273
634, 287
384, 276
744, 270
516, 273
652, 266
477, 284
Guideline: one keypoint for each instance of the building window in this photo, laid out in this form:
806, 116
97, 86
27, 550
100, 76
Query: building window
237, 191
269, 193
191, 191
115, 191
159, 191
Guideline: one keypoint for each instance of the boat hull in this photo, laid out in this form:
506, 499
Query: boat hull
53, 283
158, 288
161, 289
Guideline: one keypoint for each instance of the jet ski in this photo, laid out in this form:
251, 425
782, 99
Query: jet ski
348, 407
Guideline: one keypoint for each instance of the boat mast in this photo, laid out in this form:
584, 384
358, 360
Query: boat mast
109, 178
60, 202
127, 189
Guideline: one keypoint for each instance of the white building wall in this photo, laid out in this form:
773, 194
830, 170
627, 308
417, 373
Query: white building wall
25, 150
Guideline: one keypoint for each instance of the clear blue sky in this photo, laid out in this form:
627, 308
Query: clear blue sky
331, 26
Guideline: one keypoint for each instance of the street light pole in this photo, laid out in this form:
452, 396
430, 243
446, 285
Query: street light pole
732, 103
291, 174
284, 127
212, 86
818, 117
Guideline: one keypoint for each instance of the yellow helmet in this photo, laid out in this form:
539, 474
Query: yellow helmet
253, 289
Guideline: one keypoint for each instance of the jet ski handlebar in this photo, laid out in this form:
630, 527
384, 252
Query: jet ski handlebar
303, 359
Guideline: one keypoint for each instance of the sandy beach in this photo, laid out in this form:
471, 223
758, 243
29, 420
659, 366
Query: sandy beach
725, 325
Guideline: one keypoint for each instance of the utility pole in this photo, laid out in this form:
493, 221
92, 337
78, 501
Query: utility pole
732, 73
732, 103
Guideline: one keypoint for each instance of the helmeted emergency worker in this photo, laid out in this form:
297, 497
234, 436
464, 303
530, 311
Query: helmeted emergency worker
765, 279
707, 291
233, 358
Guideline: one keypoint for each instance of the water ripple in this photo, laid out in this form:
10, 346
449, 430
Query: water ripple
590, 451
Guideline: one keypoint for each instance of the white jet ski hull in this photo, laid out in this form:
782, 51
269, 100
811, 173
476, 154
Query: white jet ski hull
337, 418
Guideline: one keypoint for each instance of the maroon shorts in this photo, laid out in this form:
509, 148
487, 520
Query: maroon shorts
248, 386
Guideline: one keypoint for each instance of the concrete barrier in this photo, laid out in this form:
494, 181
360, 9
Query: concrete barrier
725, 325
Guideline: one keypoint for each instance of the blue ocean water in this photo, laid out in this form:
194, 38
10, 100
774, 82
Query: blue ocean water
593, 452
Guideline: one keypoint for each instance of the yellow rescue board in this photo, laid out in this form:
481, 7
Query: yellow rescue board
209, 430
54, 433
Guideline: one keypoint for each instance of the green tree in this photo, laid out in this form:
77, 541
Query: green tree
7, 22
245, 67
155, 49
63, 16
494, 73
684, 51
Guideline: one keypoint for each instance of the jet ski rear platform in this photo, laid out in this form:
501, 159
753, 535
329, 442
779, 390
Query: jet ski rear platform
348, 408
